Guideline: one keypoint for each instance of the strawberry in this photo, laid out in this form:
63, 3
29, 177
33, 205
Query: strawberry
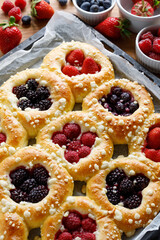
153, 138
147, 35
113, 27
154, 56
20, 3
75, 57
143, 9
89, 66
156, 45
70, 70
154, 3
41, 9
10, 35
15, 12
145, 45
7, 6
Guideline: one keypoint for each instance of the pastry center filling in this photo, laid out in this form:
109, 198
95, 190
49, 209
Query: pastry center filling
32, 95
30, 184
124, 190
119, 102
76, 226
76, 144
3, 137
152, 144
77, 63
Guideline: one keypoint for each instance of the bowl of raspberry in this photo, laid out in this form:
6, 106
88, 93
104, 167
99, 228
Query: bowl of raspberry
93, 11
140, 13
148, 48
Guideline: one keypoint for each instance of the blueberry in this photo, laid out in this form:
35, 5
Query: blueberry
119, 107
125, 96
79, 2
116, 90
114, 99
94, 2
101, 9
133, 106
85, 6
26, 20
94, 8
62, 2
47, 1
106, 4
100, 2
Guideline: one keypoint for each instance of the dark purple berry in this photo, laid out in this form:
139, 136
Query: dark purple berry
26, 20
133, 201
37, 194
119, 107
18, 196
32, 84
133, 106
32, 96
18, 176
42, 93
113, 195
20, 91
125, 96
114, 99
115, 176
140, 182
43, 104
40, 174
28, 185
126, 187
24, 103
116, 90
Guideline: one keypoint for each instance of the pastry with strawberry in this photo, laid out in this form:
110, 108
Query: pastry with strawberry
40, 9
142, 9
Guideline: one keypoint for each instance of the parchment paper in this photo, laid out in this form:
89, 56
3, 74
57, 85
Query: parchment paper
66, 27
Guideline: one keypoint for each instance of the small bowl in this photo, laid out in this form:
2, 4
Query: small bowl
137, 23
93, 18
149, 63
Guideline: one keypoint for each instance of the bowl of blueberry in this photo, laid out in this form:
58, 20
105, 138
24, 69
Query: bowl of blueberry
93, 11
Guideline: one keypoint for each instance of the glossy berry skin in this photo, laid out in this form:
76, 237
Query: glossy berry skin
85, 6
145, 45
42, 10
7, 6
26, 20
94, 5
21, 4
15, 12
62, 2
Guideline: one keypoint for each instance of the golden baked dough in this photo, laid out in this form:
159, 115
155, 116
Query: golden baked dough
12, 227
81, 84
120, 128
33, 119
127, 219
16, 135
101, 150
59, 184
106, 228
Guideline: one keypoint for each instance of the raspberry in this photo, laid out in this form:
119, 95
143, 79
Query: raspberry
145, 45
20, 91
20, 3
42, 93
126, 187
75, 57
153, 138
140, 182
88, 236
154, 56
32, 84
15, 12
40, 174
152, 154
38, 193
19, 175
84, 151
74, 145
70, 71
71, 130
88, 138
115, 176
43, 104
113, 195
132, 202
59, 138
7, 6
156, 45
17, 195
28, 185
24, 103
65, 236
89, 225
147, 35
2, 138
72, 222
71, 156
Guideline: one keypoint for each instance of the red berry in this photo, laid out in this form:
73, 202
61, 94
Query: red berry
84, 151
153, 138
41, 10
7, 6
152, 154
147, 35
156, 45
70, 70
72, 222
154, 56
59, 138
142, 8
88, 138
65, 236
2, 137
71, 156
20, 3
71, 130
75, 57
90, 66
89, 225
74, 145
15, 12
145, 45
88, 236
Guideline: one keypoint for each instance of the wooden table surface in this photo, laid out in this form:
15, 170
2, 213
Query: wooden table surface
125, 44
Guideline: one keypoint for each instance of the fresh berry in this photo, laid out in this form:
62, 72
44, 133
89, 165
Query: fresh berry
17, 195
7, 6
62, 2
42, 93
113, 195
154, 56
152, 154
106, 4
43, 105
153, 138
133, 201
113, 27
88, 138
59, 138
65, 236
70, 71
147, 35
32, 84
90, 66
71, 130
41, 9
10, 36
20, 91
71, 156
15, 12
28, 185
140, 182
74, 145
18, 176
126, 187
24, 103
40, 174
156, 45
89, 225
26, 20
20, 3
143, 9
145, 45
2, 137
37, 194
115, 176
85, 6
72, 222
94, 8
84, 151
75, 57
154, 3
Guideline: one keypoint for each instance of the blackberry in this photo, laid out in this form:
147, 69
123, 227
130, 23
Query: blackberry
40, 174
42, 93
24, 103
18, 176
37, 194
126, 186
140, 182
28, 185
43, 104
18, 196
113, 195
115, 176
32, 84
133, 201
20, 91
32, 96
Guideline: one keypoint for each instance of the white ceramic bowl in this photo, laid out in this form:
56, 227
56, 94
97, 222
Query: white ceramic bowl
137, 23
90, 17
149, 63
